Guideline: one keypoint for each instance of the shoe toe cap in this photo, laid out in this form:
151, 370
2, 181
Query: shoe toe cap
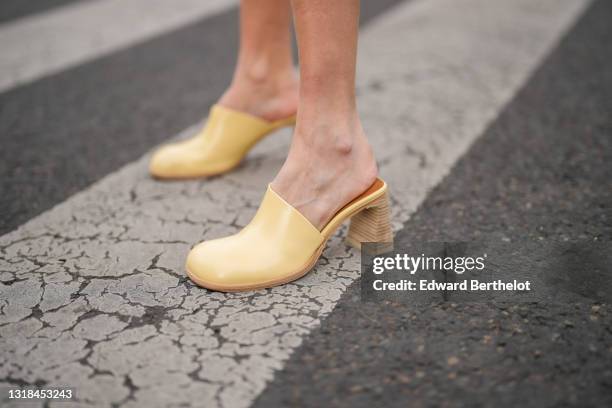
205, 267
166, 162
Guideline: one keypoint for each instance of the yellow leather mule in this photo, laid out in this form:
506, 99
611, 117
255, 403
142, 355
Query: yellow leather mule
218, 148
280, 245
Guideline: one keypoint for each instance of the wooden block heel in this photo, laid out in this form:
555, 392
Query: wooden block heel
372, 224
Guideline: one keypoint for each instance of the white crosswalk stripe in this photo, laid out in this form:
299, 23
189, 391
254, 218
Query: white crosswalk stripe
44, 44
96, 299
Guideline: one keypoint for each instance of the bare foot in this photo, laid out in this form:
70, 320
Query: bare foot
271, 97
329, 164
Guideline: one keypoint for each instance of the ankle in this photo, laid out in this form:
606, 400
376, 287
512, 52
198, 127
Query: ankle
265, 74
340, 135
336, 147
271, 97
327, 166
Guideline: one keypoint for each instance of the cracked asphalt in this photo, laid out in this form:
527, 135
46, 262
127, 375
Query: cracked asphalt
92, 290
542, 172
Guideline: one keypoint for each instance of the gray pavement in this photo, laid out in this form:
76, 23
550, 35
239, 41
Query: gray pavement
66, 130
15, 9
93, 291
45, 43
542, 172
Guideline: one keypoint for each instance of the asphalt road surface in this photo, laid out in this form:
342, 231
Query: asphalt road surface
491, 121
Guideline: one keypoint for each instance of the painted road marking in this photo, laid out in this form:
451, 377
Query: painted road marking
46, 43
95, 294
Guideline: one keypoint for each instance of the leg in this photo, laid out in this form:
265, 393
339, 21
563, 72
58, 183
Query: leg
330, 161
264, 82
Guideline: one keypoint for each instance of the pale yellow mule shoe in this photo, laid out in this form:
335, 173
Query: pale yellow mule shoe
280, 245
218, 148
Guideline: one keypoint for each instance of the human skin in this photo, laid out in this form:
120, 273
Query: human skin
265, 82
330, 161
